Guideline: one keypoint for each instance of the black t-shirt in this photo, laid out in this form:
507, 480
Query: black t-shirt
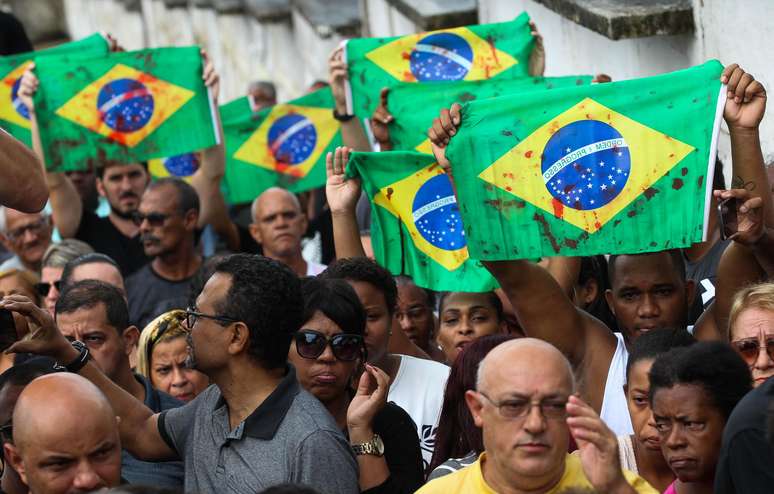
13, 38
746, 463
150, 295
104, 237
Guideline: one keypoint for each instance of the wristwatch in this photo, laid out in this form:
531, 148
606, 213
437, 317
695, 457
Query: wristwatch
342, 118
373, 447
76, 365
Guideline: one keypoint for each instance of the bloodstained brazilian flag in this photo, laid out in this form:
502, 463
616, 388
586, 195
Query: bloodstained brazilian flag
609, 168
124, 107
14, 116
472, 53
416, 105
284, 145
416, 226
181, 166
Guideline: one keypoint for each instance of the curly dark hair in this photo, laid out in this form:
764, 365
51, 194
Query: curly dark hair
712, 365
654, 343
367, 270
266, 296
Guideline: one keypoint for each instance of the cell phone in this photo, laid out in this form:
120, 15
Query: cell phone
727, 217
8, 335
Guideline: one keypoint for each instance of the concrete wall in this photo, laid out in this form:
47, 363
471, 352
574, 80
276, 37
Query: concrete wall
724, 30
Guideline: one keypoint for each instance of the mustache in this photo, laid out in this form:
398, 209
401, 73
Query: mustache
149, 237
128, 195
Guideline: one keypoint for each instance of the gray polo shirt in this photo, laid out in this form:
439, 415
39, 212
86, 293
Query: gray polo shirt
290, 437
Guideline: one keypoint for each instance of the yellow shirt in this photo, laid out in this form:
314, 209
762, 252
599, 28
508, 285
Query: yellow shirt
470, 480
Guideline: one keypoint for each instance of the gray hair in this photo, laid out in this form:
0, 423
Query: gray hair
58, 255
266, 87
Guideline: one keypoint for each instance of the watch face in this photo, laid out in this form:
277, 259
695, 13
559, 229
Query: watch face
378, 444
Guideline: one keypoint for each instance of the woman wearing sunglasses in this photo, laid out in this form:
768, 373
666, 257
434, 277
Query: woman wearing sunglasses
161, 357
751, 329
327, 353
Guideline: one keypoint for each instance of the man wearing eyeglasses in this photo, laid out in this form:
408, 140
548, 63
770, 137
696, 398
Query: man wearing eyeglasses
167, 219
524, 403
27, 236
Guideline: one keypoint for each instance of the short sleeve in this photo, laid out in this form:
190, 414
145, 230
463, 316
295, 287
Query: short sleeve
176, 425
321, 453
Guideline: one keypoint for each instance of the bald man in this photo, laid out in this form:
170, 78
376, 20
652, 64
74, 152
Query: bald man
278, 225
525, 406
65, 437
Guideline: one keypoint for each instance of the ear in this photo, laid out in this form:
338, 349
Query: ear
240, 338
191, 219
131, 336
475, 407
100, 187
609, 300
255, 232
589, 291
13, 457
690, 292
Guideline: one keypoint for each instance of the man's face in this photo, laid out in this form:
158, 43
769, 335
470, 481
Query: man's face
90, 325
51, 275
80, 453
648, 294
279, 225
208, 338
101, 271
122, 186
27, 235
690, 428
164, 227
415, 315
84, 181
532, 447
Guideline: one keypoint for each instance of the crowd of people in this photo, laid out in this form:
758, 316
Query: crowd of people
287, 360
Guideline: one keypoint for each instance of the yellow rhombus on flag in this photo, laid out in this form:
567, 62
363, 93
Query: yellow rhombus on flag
84, 108
487, 61
290, 140
10, 112
420, 200
640, 156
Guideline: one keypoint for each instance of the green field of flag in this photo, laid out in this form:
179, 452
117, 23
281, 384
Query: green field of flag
416, 227
416, 105
283, 145
125, 107
609, 168
14, 116
471, 53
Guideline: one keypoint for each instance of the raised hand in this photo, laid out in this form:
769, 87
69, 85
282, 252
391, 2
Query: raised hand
209, 75
370, 397
749, 215
28, 87
337, 76
382, 118
342, 193
43, 337
441, 132
537, 59
746, 102
597, 446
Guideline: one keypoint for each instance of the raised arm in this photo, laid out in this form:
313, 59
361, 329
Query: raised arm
342, 195
352, 133
66, 205
138, 426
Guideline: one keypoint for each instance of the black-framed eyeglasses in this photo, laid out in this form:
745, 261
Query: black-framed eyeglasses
516, 408
191, 316
154, 219
311, 344
43, 288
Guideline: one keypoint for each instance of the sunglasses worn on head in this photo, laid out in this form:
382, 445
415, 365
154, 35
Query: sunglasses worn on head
749, 348
154, 219
311, 344
43, 288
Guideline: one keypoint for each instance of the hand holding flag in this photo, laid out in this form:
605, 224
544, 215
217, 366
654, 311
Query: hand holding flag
746, 102
441, 132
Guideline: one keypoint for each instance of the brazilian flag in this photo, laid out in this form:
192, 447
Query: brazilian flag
614, 168
416, 226
181, 166
416, 105
14, 116
124, 107
472, 53
284, 145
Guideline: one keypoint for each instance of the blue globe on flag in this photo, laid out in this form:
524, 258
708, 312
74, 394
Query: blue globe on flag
20, 107
182, 165
586, 164
436, 215
292, 139
441, 57
125, 105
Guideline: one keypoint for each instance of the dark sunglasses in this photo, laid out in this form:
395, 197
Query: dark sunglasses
154, 219
311, 344
43, 288
750, 347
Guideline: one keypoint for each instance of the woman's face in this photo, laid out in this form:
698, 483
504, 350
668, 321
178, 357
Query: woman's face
690, 428
637, 389
169, 373
465, 317
326, 377
378, 319
753, 338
